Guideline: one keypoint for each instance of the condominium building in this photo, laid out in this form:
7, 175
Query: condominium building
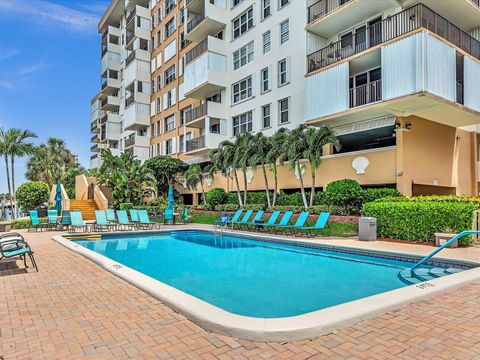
120, 113
395, 79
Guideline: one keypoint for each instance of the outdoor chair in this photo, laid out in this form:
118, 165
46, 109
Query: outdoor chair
235, 217
65, 220
244, 220
123, 221
77, 222
37, 224
222, 221
12, 245
271, 221
134, 216
256, 219
145, 221
101, 222
319, 225
111, 216
301, 220
284, 221
52, 216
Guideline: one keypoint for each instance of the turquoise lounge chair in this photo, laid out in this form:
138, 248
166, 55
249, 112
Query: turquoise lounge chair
235, 217
244, 220
145, 221
36, 222
319, 225
301, 220
52, 218
111, 216
256, 219
134, 216
284, 221
101, 222
77, 222
12, 245
271, 221
123, 220
65, 221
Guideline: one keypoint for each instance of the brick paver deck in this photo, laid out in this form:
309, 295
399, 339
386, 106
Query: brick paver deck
74, 309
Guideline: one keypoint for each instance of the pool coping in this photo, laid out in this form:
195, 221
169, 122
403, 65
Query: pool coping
300, 327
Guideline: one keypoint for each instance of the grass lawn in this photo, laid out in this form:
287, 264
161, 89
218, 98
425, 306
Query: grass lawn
332, 229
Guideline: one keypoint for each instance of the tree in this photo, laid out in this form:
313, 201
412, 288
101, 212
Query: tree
50, 162
295, 151
260, 147
276, 154
194, 177
242, 157
229, 161
130, 180
32, 194
4, 145
165, 170
316, 139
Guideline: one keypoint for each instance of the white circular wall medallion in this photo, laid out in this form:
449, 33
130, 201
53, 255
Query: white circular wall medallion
360, 164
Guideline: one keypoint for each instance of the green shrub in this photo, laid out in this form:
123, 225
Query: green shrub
283, 208
332, 209
372, 194
232, 198
346, 193
32, 194
432, 198
25, 223
291, 199
257, 197
234, 207
215, 197
414, 220
161, 201
126, 206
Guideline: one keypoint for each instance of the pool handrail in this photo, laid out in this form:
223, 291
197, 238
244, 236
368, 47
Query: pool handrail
451, 241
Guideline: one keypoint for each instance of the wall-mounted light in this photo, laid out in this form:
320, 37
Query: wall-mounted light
406, 127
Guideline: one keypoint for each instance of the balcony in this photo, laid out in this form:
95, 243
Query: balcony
110, 61
94, 139
110, 103
366, 94
94, 148
207, 20
110, 117
327, 18
205, 76
398, 25
129, 100
204, 144
94, 129
110, 85
137, 67
131, 16
136, 140
195, 144
208, 44
137, 117
196, 117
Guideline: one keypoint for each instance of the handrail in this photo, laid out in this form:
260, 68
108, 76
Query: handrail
452, 240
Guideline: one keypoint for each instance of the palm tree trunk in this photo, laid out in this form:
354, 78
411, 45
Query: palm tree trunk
267, 190
238, 188
302, 186
203, 194
275, 184
245, 187
312, 192
15, 213
8, 183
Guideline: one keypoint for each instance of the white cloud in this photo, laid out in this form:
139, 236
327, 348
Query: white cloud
47, 13
16, 80
8, 53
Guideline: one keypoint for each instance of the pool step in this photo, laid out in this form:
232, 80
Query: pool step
420, 275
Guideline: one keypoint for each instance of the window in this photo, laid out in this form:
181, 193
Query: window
282, 72
267, 42
159, 131
168, 146
159, 82
236, 2
169, 123
283, 111
217, 98
243, 56
169, 75
169, 5
169, 100
182, 15
282, 3
265, 83
243, 23
284, 32
183, 41
169, 27
242, 90
266, 116
242, 124
266, 9
182, 113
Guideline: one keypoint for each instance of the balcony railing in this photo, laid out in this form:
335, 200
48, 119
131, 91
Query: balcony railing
460, 94
104, 51
130, 58
130, 141
195, 113
418, 16
129, 100
197, 19
188, 2
323, 7
196, 51
366, 94
93, 127
131, 15
130, 36
93, 157
93, 148
195, 144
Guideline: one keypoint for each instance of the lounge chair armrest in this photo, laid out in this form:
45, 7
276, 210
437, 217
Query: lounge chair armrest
13, 241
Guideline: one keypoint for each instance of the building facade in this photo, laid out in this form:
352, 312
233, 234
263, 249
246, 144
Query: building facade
395, 79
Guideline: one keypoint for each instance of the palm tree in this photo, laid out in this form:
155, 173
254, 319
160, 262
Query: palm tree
276, 153
18, 147
4, 145
295, 150
243, 155
229, 159
316, 139
260, 147
194, 177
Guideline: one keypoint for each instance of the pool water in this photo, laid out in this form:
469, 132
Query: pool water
249, 277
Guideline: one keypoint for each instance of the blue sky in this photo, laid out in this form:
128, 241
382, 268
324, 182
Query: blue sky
49, 70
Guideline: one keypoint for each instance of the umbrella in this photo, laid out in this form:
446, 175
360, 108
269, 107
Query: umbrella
58, 197
170, 198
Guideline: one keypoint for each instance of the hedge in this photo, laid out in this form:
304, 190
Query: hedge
24, 223
431, 198
234, 207
415, 220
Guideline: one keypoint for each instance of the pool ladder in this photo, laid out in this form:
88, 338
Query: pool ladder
409, 274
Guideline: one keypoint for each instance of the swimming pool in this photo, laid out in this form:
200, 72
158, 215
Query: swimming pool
256, 278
